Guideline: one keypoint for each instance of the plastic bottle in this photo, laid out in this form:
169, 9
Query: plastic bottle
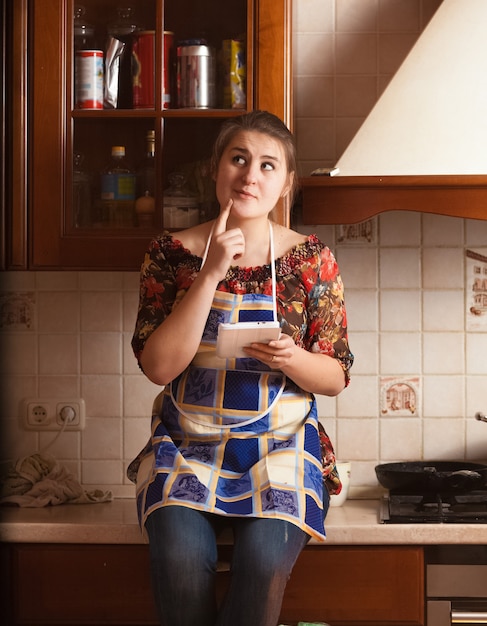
118, 190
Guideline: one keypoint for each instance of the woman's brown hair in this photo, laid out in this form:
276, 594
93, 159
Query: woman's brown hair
260, 122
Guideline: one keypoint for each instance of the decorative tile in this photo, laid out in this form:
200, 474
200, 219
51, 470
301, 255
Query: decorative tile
399, 396
364, 232
17, 311
476, 286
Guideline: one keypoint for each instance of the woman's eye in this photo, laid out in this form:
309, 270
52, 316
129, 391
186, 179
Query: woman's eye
267, 166
239, 160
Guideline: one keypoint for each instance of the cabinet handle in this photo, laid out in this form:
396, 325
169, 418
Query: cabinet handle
468, 617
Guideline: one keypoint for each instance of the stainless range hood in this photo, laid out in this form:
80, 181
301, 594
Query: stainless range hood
432, 117
424, 145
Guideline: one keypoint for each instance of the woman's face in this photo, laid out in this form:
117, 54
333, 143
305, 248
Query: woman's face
253, 173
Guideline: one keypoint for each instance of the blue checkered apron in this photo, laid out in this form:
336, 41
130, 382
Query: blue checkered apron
234, 437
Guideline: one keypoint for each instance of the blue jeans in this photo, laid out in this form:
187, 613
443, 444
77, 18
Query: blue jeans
183, 552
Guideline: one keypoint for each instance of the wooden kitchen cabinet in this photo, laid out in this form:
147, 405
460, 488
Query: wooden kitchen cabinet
44, 233
96, 585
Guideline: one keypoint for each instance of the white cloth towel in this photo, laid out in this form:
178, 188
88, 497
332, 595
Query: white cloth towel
39, 480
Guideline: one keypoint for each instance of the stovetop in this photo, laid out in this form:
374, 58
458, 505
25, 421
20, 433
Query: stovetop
436, 508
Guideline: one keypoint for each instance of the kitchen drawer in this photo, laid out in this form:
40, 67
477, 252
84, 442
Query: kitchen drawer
354, 586
81, 584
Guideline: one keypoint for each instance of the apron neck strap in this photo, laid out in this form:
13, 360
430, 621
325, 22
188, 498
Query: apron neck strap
207, 247
273, 272
273, 264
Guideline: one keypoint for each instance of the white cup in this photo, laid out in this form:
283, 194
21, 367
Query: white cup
344, 470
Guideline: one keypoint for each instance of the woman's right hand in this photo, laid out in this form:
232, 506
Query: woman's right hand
226, 246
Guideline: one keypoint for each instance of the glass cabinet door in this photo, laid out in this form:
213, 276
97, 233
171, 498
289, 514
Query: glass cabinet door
150, 82
126, 99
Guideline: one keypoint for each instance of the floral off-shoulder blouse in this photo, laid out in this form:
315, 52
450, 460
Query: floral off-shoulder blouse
310, 295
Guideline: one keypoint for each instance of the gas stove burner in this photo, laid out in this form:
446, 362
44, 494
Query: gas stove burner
406, 508
436, 506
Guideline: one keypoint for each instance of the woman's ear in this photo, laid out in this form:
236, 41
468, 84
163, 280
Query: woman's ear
288, 186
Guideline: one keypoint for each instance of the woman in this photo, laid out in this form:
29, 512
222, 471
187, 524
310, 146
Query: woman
236, 441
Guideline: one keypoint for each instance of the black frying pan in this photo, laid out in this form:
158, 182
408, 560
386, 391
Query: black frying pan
432, 476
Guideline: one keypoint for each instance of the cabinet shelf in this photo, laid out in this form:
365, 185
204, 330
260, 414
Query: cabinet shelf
151, 113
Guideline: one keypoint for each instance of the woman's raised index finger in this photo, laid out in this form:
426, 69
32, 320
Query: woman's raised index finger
221, 220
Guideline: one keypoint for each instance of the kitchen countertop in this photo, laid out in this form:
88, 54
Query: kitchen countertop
355, 523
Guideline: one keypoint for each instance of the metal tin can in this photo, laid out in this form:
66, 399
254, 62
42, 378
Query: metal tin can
166, 64
89, 79
143, 57
196, 77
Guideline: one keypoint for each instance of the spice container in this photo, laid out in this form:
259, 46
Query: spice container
196, 75
89, 79
234, 74
143, 64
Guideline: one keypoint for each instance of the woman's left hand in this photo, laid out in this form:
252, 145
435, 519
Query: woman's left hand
276, 354
312, 371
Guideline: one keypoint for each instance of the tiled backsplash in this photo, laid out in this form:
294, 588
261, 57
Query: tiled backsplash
67, 334
408, 286
420, 371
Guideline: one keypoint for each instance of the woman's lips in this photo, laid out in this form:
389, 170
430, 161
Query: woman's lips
244, 194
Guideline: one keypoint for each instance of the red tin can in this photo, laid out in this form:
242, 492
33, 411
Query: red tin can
89, 79
143, 57
167, 63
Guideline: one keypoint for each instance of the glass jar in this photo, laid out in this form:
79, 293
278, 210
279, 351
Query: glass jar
84, 32
81, 193
181, 206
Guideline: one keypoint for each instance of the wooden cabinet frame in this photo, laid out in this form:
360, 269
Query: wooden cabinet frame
14, 252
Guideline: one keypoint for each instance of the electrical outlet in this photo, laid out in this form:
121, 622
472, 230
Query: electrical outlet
53, 413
